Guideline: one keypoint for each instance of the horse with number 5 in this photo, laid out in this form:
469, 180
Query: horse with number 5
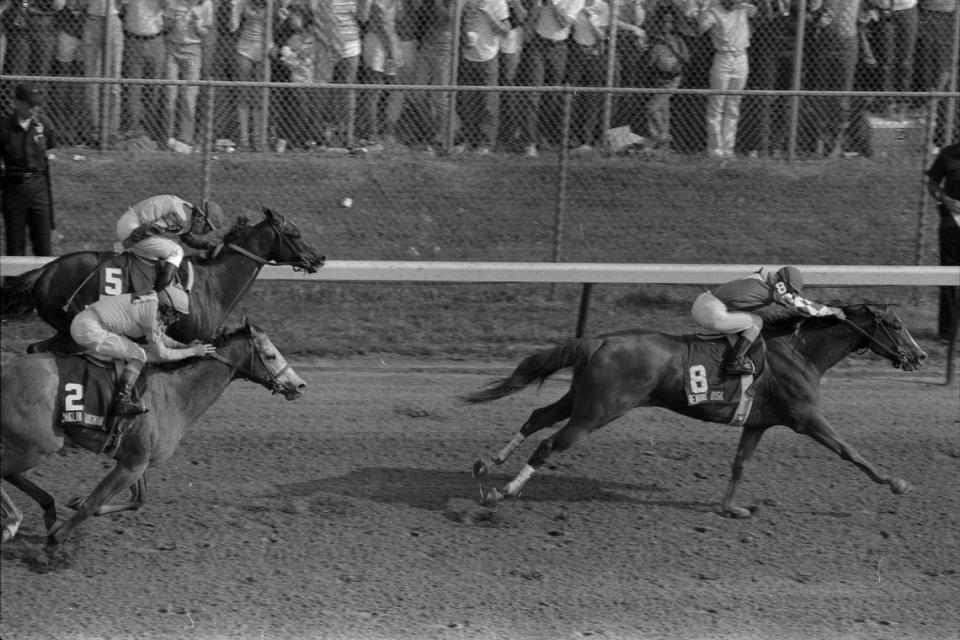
62, 288
177, 394
617, 372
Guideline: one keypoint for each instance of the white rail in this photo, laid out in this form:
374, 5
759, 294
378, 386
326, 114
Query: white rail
575, 272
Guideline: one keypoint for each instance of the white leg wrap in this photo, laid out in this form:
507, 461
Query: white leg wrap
514, 486
508, 449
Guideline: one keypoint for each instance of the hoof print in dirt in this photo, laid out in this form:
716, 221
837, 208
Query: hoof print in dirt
468, 512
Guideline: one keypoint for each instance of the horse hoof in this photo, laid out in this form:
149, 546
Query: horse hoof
490, 497
481, 467
900, 486
737, 512
75, 504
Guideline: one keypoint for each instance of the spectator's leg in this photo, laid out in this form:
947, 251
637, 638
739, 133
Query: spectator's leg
93, 32
38, 217
949, 237
534, 53
715, 106
737, 80
188, 114
15, 203
173, 70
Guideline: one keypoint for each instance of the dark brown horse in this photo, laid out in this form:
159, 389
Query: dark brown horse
176, 395
615, 373
62, 288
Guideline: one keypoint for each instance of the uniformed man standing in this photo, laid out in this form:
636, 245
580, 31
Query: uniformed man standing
25, 138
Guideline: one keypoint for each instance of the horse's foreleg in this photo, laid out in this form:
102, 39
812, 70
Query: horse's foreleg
119, 478
560, 441
11, 517
823, 433
749, 438
540, 419
138, 495
41, 497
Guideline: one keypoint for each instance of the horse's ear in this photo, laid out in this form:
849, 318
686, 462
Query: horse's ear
267, 212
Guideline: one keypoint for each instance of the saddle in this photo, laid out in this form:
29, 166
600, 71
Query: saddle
85, 399
704, 380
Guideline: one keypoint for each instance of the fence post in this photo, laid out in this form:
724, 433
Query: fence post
208, 143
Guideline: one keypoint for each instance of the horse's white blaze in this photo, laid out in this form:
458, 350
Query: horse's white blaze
276, 364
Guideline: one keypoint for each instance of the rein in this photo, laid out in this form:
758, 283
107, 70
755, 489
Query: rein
297, 266
885, 350
248, 374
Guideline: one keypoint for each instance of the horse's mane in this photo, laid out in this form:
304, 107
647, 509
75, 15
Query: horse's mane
240, 227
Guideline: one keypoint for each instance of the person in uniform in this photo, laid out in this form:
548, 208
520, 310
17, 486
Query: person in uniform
106, 327
151, 227
943, 184
742, 306
25, 138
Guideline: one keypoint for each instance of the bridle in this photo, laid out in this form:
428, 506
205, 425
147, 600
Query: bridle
897, 356
280, 227
271, 382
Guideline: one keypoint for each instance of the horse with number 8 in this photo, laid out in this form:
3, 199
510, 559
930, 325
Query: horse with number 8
617, 372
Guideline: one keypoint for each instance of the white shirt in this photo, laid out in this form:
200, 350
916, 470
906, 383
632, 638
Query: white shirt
481, 35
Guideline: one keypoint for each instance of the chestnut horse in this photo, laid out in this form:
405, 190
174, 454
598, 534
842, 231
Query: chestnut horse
617, 372
62, 288
176, 395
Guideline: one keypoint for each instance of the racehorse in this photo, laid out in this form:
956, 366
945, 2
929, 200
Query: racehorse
176, 394
617, 372
62, 288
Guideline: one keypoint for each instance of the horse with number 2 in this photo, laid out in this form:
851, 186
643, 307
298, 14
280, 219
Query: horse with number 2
617, 372
30, 428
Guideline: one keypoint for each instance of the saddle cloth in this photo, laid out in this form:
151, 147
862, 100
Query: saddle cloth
85, 392
704, 381
128, 273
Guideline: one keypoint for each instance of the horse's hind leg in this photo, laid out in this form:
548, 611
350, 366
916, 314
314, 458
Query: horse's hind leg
540, 419
118, 479
11, 517
138, 495
749, 438
41, 497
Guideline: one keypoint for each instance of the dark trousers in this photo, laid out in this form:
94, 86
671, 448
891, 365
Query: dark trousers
27, 206
949, 257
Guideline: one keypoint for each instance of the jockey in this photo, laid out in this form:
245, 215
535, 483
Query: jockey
741, 306
149, 229
106, 326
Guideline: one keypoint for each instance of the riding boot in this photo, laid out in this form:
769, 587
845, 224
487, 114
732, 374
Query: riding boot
123, 402
737, 363
168, 272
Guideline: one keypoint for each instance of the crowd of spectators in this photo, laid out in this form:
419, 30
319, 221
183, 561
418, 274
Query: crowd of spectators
869, 45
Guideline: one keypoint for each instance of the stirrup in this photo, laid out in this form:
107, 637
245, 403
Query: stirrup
739, 368
127, 407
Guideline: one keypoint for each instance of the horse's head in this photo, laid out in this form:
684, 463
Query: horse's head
290, 249
881, 330
262, 363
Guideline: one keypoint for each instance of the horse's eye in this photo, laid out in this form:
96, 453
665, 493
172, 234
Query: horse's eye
271, 356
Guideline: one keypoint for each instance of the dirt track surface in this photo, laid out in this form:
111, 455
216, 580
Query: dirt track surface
351, 513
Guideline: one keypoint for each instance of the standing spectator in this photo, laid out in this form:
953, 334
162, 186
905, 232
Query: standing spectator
588, 68
103, 58
834, 51
669, 55
144, 57
348, 16
484, 23
31, 36
899, 26
629, 64
511, 48
935, 45
66, 104
728, 23
943, 183
188, 22
409, 27
546, 56
297, 54
249, 20
380, 51
771, 61
433, 67
26, 137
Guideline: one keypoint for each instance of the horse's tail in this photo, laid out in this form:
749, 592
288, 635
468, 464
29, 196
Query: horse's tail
537, 368
17, 293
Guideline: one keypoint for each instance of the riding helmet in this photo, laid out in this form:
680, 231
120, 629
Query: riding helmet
791, 277
176, 298
212, 213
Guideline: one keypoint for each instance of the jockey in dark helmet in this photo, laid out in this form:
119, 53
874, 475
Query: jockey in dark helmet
741, 306
106, 326
151, 227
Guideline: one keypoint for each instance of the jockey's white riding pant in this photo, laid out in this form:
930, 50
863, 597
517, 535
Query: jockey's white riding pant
711, 313
151, 247
88, 332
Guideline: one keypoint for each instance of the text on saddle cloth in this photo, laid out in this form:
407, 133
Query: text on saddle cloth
85, 392
127, 273
703, 379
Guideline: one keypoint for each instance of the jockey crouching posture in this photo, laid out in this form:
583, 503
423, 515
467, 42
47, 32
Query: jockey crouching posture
150, 228
742, 306
106, 326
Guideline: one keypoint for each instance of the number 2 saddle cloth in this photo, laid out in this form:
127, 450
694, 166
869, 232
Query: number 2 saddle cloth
704, 380
85, 396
